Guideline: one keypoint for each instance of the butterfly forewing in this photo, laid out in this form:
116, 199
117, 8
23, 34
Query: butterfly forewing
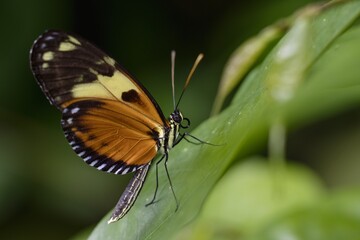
68, 67
109, 118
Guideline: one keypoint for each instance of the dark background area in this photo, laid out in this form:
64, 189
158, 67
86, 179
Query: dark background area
46, 191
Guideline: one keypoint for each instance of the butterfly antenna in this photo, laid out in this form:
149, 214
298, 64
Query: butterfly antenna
196, 63
173, 53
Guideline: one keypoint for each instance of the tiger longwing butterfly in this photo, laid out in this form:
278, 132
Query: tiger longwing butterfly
109, 118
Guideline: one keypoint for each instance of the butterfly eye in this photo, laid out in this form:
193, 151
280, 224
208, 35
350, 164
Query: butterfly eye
177, 117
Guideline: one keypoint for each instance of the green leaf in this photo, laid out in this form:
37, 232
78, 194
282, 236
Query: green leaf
247, 198
331, 85
336, 217
243, 59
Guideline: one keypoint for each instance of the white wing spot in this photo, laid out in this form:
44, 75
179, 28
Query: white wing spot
48, 56
102, 166
57, 99
93, 71
75, 147
44, 65
119, 170
126, 170
93, 163
49, 38
43, 45
111, 168
99, 62
67, 46
75, 110
74, 40
109, 61
82, 153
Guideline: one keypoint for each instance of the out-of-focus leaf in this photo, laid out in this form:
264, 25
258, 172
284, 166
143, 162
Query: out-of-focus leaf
247, 198
336, 217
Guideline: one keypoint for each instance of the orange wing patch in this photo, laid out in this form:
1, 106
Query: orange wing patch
111, 136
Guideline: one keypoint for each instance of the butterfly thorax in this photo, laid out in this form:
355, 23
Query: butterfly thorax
170, 133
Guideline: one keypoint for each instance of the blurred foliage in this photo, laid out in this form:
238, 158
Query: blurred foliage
298, 209
47, 192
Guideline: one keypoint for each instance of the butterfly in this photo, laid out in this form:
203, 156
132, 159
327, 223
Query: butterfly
109, 118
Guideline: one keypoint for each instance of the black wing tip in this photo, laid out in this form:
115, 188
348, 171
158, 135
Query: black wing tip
48, 41
38, 47
34, 56
49, 38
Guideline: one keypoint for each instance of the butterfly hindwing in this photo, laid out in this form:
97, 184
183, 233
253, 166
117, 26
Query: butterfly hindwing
107, 138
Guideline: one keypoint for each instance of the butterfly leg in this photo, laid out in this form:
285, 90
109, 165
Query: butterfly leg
171, 186
198, 141
157, 180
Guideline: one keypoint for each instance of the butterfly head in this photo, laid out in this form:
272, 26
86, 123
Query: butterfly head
177, 119
177, 116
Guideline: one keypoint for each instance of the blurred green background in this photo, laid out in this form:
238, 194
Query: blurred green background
46, 191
